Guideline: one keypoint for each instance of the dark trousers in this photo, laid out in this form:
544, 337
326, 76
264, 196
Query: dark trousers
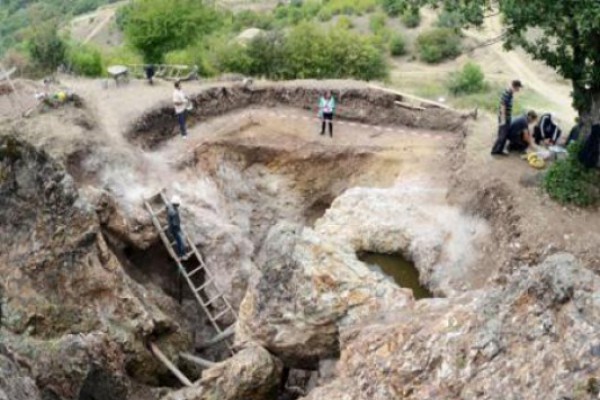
327, 119
181, 120
179, 243
501, 140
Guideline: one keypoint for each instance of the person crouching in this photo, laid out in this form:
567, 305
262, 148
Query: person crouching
519, 134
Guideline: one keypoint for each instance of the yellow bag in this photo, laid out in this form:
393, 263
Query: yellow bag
535, 161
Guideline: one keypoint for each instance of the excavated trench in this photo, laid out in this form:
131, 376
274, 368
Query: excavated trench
263, 175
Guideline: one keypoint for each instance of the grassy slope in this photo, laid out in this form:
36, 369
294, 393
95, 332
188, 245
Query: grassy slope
16, 16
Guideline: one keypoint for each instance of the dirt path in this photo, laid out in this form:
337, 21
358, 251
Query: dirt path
535, 75
108, 15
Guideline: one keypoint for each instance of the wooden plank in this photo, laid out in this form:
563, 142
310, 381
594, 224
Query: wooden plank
226, 334
160, 355
409, 107
197, 360
410, 96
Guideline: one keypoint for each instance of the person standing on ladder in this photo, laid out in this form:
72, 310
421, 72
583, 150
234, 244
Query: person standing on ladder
175, 225
326, 110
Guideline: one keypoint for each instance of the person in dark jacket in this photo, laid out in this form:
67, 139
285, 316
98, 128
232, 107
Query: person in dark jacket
590, 153
519, 135
505, 117
150, 71
175, 225
546, 131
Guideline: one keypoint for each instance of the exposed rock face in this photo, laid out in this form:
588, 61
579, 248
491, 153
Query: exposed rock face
440, 240
15, 384
309, 289
535, 338
68, 307
252, 374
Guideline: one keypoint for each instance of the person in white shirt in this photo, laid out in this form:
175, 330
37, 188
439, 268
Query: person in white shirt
181, 103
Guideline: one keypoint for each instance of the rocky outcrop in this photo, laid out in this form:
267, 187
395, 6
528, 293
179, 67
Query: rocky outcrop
252, 374
537, 337
442, 242
15, 384
68, 307
309, 288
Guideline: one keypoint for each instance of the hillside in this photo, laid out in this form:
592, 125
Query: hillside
17, 16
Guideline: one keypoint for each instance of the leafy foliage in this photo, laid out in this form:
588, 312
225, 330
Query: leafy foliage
17, 17
46, 49
438, 44
85, 60
470, 79
306, 51
450, 19
393, 8
566, 38
397, 45
155, 27
411, 17
377, 22
568, 182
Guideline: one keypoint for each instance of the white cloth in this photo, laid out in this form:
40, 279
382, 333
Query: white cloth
181, 98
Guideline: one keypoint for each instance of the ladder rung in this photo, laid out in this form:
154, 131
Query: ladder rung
219, 315
210, 301
194, 272
205, 284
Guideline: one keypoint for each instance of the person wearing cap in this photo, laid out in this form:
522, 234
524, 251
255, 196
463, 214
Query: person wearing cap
175, 225
546, 131
505, 117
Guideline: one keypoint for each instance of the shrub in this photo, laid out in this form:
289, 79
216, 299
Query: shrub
377, 22
397, 45
46, 49
122, 55
325, 15
344, 22
85, 60
450, 19
438, 44
266, 54
470, 79
393, 8
411, 17
306, 51
251, 19
568, 182
231, 57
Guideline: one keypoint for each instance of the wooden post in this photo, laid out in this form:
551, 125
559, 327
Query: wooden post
159, 354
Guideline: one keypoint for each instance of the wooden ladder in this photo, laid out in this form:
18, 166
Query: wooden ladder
216, 307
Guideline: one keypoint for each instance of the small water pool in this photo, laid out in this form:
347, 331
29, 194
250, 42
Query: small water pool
397, 268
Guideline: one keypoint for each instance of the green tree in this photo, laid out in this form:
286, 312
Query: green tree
46, 49
437, 45
155, 27
566, 37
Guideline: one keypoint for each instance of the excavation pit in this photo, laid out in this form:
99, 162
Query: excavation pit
397, 268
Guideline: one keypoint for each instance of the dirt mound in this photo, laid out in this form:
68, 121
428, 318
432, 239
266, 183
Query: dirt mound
358, 104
